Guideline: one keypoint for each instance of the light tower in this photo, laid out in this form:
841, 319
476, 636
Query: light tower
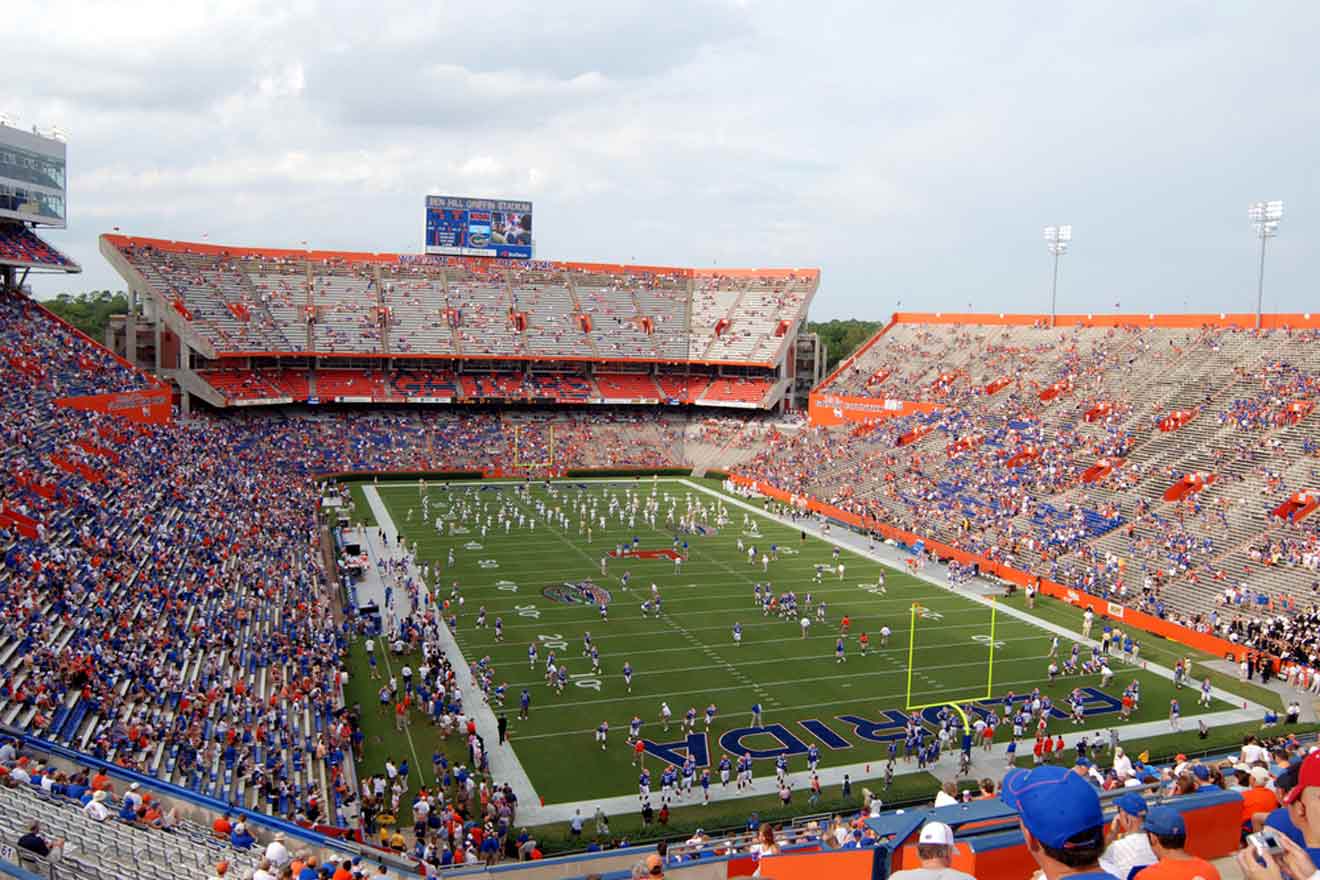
1265, 216
1056, 239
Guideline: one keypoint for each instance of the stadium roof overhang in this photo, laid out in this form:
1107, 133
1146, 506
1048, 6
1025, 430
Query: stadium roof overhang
43, 268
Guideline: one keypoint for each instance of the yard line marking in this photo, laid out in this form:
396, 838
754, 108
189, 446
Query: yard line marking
1233, 715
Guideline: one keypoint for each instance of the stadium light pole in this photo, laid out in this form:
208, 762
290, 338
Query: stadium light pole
1056, 239
1265, 216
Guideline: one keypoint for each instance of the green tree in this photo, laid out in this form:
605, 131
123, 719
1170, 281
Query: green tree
842, 338
90, 310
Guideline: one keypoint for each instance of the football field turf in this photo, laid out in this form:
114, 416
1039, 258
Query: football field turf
540, 580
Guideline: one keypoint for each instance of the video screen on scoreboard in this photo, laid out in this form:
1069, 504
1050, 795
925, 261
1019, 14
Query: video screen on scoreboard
463, 227
32, 177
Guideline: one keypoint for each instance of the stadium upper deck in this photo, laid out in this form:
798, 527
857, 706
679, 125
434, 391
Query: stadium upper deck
263, 302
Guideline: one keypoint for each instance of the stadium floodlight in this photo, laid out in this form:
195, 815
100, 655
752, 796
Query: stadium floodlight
1265, 216
1056, 239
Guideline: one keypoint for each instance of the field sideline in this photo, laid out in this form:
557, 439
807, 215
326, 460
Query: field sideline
687, 656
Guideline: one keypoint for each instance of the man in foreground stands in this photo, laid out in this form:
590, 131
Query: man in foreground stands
1062, 823
1167, 833
935, 848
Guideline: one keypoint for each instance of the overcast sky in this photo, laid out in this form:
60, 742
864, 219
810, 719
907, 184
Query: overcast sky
912, 151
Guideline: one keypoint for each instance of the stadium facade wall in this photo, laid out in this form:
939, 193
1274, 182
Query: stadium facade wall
1146, 622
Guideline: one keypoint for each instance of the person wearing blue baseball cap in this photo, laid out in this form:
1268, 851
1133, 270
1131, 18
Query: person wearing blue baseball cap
1061, 821
1167, 833
1128, 851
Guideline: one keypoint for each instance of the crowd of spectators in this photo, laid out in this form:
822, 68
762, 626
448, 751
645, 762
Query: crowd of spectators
1046, 453
19, 244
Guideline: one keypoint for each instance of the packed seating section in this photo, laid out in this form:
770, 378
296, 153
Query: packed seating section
19, 244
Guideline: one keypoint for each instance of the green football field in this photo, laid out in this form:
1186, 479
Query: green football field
532, 579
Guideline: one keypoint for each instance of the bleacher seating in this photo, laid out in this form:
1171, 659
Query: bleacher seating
258, 384
246, 301
160, 605
628, 386
738, 389
999, 469
20, 245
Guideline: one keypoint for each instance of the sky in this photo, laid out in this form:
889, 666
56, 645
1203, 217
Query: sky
913, 152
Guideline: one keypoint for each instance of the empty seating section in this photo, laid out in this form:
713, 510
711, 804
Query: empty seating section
281, 290
251, 301
258, 384
364, 385
617, 320
347, 309
552, 325
480, 314
628, 386
666, 301
713, 297
1054, 448
738, 390
418, 311
683, 389
116, 849
425, 383
18, 244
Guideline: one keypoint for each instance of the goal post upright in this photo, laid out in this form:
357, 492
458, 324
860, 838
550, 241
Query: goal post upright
912, 647
519, 462
953, 704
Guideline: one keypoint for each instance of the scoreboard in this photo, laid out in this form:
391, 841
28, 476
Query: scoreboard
463, 227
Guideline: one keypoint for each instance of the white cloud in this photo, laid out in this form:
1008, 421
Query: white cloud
902, 149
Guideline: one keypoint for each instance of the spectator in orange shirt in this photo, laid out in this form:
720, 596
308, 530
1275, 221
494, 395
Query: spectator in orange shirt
1257, 798
222, 827
1167, 832
101, 782
344, 871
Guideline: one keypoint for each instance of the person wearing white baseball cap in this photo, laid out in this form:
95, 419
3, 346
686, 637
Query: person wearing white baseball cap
935, 848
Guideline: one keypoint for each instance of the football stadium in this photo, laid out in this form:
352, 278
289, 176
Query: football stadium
465, 561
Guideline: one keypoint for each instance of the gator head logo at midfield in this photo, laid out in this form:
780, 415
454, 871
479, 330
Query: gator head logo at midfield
577, 593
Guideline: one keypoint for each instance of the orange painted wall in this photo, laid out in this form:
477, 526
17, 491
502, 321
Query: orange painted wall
847, 864
837, 409
150, 406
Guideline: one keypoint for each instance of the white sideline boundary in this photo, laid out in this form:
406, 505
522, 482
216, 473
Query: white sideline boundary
505, 765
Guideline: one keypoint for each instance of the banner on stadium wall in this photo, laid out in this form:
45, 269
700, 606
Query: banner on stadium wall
150, 406
1139, 619
262, 401
838, 409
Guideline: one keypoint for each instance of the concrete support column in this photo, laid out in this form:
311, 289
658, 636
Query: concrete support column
130, 329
